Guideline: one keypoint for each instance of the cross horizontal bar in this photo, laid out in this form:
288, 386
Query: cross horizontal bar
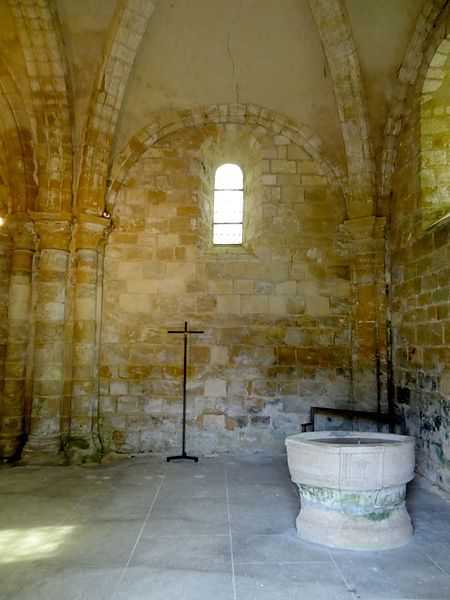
187, 331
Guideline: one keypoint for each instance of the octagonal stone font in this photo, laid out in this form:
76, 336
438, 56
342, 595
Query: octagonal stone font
352, 488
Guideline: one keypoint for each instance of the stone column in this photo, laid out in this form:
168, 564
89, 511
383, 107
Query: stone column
5, 260
45, 440
88, 237
12, 431
366, 238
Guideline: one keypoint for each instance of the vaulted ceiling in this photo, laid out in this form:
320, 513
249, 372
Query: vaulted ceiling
83, 77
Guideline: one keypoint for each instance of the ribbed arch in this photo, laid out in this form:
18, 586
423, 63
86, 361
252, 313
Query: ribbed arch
126, 32
342, 57
40, 34
250, 114
18, 145
431, 28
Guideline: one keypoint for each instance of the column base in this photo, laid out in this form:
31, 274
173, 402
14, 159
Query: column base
79, 450
43, 450
10, 447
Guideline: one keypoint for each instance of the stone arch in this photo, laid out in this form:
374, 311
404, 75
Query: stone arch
294, 276
126, 33
342, 57
20, 163
431, 29
250, 114
40, 35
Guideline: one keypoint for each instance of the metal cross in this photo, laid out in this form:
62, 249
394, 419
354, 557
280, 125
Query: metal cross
183, 455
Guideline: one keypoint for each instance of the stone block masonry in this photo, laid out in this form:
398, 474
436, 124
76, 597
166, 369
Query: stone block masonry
420, 283
435, 136
275, 311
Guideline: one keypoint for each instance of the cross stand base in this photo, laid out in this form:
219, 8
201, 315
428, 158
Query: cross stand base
183, 456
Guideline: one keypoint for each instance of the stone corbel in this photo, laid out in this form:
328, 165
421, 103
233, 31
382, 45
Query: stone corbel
366, 239
364, 228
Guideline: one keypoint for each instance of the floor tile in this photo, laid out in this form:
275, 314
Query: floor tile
149, 583
400, 574
145, 528
439, 553
97, 544
198, 552
268, 518
33, 510
194, 486
184, 516
290, 582
275, 549
126, 504
40, 583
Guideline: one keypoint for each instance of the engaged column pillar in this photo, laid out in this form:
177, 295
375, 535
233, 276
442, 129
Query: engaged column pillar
12, 433
88, 236
45, 442
366, 244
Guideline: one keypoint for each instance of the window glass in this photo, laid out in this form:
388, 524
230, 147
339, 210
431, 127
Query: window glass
228, 205
229, 177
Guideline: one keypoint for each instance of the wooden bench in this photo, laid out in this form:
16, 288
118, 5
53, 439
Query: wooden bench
385, 418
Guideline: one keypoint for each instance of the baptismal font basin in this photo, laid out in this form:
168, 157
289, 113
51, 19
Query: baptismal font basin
352, 488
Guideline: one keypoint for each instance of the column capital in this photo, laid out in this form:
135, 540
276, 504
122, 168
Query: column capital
89, 231
363, 228
53, 229
21, 231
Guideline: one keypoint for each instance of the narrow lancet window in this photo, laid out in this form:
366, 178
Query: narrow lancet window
228, 205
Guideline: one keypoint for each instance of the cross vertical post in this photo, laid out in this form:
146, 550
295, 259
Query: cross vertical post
183, 454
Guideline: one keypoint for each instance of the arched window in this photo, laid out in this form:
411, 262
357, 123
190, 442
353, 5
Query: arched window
228, 205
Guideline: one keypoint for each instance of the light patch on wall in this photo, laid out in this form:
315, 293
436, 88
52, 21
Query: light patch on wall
37, 542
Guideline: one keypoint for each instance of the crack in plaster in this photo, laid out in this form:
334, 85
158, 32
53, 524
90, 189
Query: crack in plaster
233, 65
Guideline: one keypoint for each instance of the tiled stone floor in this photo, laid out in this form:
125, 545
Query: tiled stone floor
221, 529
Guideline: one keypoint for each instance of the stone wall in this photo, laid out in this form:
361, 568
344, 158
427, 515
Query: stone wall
435, 136
295, 317
420, 310
275, 312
